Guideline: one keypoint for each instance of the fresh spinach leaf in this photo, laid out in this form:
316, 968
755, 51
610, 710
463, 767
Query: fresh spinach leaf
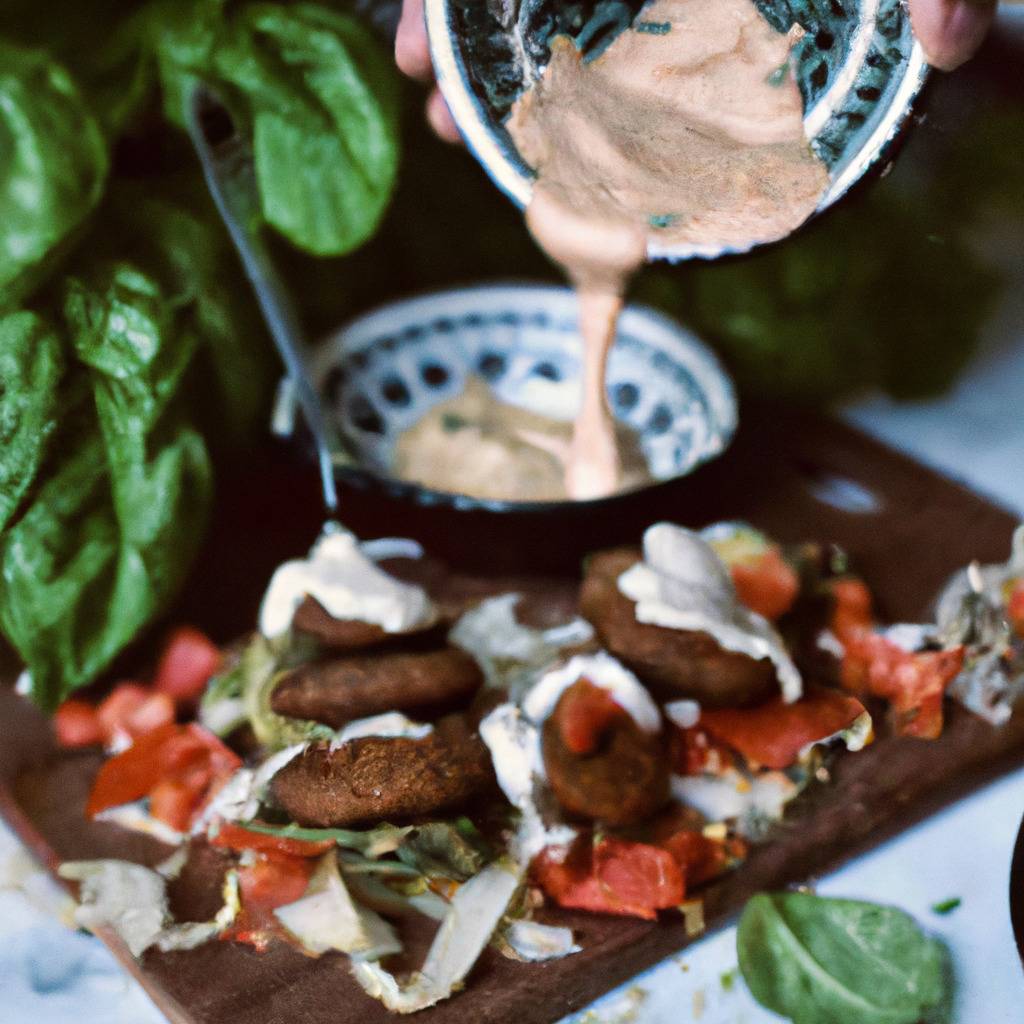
113, 528
53, 165
318, 96
31, 365
814, 959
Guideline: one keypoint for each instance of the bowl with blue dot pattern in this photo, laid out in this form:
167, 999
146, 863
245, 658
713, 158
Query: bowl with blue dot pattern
381, 374
858, 66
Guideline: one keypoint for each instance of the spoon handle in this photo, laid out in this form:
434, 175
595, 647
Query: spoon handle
228, 167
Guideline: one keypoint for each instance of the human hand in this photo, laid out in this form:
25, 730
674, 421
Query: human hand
412, 55
951, 30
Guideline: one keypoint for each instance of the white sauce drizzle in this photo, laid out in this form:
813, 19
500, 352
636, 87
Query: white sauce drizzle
604, 671
347, 582
682, 584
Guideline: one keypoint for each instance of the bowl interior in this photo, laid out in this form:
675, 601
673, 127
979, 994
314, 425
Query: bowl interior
858, 67
381, 374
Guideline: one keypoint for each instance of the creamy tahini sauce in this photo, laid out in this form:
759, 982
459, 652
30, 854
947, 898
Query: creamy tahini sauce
682, 584
693, 136
474, 444
348, 584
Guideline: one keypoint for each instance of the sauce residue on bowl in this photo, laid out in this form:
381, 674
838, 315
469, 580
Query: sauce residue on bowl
688, 129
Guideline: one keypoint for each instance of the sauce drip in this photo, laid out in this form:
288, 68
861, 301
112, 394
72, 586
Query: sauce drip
692, 135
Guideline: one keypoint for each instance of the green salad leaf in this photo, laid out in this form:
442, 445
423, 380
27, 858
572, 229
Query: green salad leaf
53, 165
31, 365
814, 959
319, 97
109, 535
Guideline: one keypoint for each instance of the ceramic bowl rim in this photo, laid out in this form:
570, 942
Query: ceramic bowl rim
364, 477
507, 169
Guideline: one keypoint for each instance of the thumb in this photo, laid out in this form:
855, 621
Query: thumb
951, 30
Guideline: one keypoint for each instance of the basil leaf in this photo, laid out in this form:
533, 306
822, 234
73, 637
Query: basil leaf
320, 99
31, 365
53, 165
814, 959
189, 254
112, 530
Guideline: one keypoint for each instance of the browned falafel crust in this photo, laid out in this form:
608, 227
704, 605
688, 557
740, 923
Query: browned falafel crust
624, 781
674, 663
359, 685
379, 779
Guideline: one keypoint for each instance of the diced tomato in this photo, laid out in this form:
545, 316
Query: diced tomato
694, 752
853, 606
77, 724
766, 583
188, 661
700, 858
173, 803
1015, 607
773, 734
273, 880
914, 684
188, 756
156, 710
584, 714
611, 876
116, 709
237, 837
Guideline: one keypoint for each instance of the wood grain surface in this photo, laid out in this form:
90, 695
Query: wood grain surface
798, 476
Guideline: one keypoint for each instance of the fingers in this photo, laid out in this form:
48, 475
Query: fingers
412, 52
951, 30
440, 118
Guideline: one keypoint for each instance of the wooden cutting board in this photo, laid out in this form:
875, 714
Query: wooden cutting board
798, 476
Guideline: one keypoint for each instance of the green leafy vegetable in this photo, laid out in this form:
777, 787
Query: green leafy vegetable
440, 848
258, 672
319, 98
53, 164
372, 843
110, 534
814, 959
31, 364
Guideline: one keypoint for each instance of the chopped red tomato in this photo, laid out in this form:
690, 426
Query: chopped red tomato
179, 759
77, 724
237, 837
853, 606
773, 734
273, 880
701, 859
1015, 607
766, 583
611, 876
914, 684
115, 709
584, 714
188, 661
694, 752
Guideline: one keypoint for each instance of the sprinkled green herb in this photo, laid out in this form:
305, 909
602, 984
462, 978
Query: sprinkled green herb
654, 28
662, 220
727, 979
451, 423
946, 906
778, 76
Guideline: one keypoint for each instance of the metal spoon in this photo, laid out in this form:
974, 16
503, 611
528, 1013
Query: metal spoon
228, 166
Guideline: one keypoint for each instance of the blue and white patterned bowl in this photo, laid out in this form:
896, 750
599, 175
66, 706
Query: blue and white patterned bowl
858, 66
382, 373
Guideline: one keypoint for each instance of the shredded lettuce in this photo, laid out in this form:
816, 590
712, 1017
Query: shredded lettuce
475, 913
132, 900
327, 918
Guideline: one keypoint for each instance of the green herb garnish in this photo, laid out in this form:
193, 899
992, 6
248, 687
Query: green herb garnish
946, 906
814, 959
